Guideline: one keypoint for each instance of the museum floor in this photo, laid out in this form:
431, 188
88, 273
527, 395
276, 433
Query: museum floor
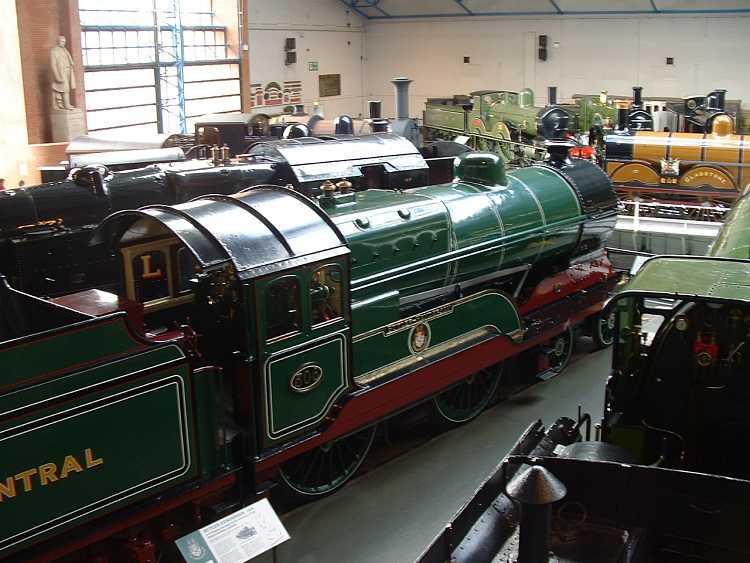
391, 512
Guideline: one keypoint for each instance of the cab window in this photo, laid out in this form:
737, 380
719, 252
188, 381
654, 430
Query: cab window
326, 297
512, 98
150, 275
283, 312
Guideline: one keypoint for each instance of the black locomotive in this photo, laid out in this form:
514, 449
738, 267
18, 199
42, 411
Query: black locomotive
44, 230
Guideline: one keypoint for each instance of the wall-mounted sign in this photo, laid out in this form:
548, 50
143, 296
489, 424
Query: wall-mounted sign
313, 66
236, 538
329, 84
274, 94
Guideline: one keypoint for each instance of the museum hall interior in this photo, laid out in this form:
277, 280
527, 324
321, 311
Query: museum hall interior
374, 281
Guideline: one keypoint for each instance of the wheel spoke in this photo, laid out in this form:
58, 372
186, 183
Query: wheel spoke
467, 399
327, 467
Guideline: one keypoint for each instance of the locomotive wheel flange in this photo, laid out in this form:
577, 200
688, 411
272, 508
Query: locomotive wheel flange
326, 468
465, 400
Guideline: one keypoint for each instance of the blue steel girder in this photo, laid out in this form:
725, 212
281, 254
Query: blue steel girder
357, 6
461, 3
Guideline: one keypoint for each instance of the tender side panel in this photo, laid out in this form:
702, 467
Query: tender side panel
83, 445
59, 351
449, 117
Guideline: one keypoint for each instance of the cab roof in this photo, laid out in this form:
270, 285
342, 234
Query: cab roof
259, 231
692, 278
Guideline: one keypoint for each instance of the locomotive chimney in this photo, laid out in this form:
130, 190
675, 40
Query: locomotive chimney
377, 123
401, 84
637, 100
376, 109
536, 488
558, 152
716, 100
552, 95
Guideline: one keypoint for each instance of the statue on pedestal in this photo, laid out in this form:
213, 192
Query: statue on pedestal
63, 75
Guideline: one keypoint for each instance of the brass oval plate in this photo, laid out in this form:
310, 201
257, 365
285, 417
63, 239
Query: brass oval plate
306, 378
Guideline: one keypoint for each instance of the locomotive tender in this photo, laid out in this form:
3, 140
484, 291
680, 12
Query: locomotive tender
262, 336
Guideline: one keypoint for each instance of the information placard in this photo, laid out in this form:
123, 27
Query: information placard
236, 538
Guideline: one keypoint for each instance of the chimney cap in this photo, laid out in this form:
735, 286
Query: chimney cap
536, 485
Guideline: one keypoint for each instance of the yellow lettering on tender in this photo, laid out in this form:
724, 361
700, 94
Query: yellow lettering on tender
47, 473
25, 477
90, 461
7, 489
70, 464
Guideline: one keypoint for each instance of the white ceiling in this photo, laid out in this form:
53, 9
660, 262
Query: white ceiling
387, 9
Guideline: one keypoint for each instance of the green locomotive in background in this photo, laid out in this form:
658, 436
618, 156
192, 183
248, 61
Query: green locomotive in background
501, 121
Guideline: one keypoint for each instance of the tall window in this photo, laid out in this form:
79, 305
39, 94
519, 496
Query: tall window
153, 66
283, 312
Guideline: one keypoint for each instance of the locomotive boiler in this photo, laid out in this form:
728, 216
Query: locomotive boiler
44, 229
259, 338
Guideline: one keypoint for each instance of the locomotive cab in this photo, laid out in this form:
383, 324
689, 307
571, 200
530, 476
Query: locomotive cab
678, 390
262, 276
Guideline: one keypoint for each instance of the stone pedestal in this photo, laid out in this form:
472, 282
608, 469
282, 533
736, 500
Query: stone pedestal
67, 124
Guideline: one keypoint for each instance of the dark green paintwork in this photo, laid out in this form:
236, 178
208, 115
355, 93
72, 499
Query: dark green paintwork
141, 429
429, 237
379, 348
326, 345
64, 349
686, 277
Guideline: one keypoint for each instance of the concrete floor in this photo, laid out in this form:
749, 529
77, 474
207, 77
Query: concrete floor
389, 514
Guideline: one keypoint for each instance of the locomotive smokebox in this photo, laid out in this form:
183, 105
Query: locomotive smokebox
401, 84
552, 95
637, 97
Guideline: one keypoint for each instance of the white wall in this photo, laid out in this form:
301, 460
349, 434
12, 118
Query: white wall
594, 53
325, 33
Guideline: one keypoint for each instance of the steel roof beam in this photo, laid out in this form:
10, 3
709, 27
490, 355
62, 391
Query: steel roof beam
461, 3
555, 6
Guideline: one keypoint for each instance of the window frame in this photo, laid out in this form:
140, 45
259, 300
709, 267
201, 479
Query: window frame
169, 247
342, 293
300, 310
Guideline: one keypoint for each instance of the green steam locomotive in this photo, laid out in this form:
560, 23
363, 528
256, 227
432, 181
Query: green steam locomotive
259, 338
501, 121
